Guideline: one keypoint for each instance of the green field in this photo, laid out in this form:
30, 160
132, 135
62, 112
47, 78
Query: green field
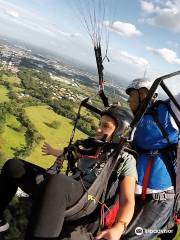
178, 234
12, 137
41, 116
11, 79
3, 94
17, 89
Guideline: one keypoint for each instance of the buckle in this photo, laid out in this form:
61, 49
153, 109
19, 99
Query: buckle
154, 152
155, 196
159, 196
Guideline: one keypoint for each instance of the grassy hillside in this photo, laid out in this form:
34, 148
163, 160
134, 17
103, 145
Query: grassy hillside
3, 94
42, 117
17, 89
11, 79
178, 234
12, 137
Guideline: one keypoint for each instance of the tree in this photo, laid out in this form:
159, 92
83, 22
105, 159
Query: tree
17, 215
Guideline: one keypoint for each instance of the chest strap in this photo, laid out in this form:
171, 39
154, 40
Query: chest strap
146, 177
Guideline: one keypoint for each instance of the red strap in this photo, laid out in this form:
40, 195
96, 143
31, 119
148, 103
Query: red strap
176, 219
111, 215
91, 156
146, 177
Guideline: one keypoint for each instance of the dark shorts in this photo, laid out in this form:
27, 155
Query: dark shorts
150, 218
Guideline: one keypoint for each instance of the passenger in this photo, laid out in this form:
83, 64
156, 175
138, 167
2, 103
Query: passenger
54, 194
155, 141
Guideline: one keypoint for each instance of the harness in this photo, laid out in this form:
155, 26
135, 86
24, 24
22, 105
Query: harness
95, 197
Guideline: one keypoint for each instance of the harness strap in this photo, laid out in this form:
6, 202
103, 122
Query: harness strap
160, 126
173, 115
103, 98
103, 197
102, 216
146, 177
167, 104
168, 161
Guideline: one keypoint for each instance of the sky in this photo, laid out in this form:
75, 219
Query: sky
143, 36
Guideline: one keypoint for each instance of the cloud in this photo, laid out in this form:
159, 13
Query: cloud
160, 7
123, 29
12, 13
128, 58
147, 6
164, 13
166, 54
75, 35
31, 21
173, 44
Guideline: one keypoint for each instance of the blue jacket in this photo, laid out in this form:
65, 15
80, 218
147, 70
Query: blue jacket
149, 138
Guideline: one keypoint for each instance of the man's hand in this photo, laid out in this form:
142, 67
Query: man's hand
48, 150
113, 233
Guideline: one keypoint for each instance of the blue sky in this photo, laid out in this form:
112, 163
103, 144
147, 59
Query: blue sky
143, 34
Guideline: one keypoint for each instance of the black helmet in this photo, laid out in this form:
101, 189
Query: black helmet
122, 116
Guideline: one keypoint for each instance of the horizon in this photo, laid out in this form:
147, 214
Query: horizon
142, 34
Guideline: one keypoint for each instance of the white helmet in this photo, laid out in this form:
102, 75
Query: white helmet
139, 83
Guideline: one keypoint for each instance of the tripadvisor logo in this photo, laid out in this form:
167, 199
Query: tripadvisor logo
139, 231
